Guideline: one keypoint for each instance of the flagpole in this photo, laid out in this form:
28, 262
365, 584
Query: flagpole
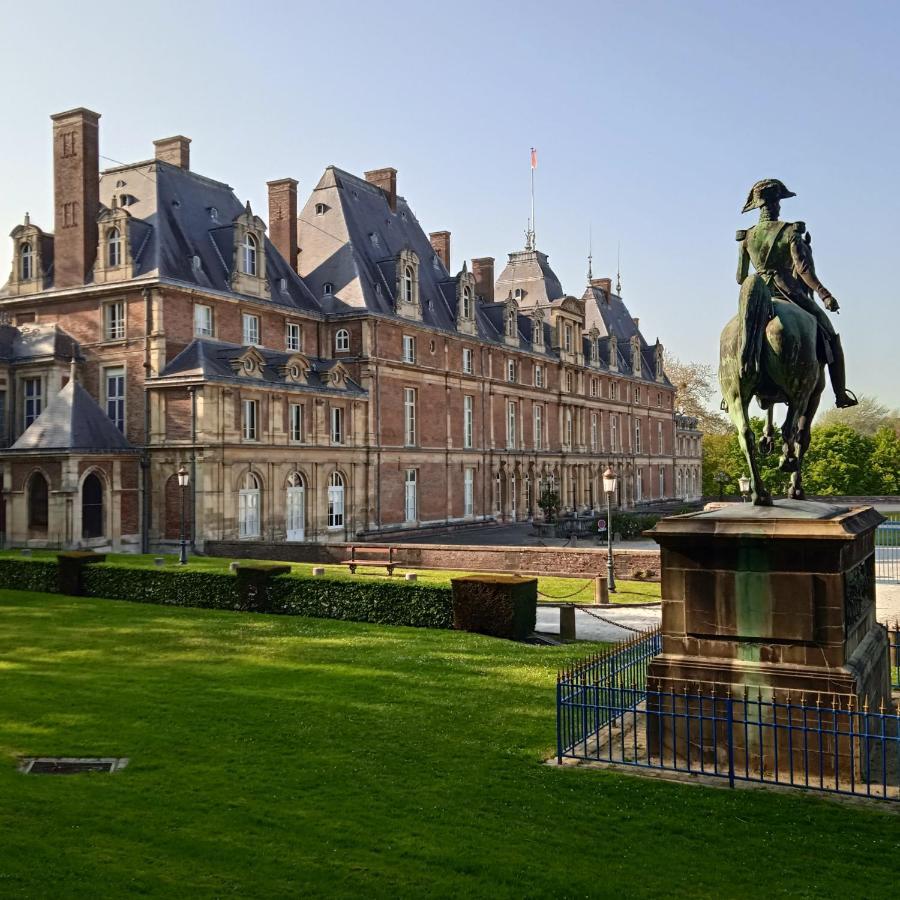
532, 198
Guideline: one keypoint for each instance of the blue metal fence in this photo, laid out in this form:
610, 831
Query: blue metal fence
894, 644
606, 713
887, 552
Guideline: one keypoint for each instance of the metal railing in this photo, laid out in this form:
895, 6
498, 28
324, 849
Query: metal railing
893, 630
887, 552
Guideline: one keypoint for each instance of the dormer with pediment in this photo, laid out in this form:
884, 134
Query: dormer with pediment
659, 358
336, 376
567, 320
407, 303
511, 322
465, 302
249, 364
537, 328
32, 259
296, 369
613, 360
114, 261
594, 344
636, 355
248, 270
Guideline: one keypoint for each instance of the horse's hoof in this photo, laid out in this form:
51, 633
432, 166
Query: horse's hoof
797, 495
766, 445
762, 500
788, 464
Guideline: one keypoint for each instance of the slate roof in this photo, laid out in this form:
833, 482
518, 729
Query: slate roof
212, 360
72, 421
529, 271
28, 343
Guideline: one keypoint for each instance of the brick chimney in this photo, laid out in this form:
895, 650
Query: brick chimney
386, 179
483, 270
605, 284
283, 218
440, 241
76, 194
174, 150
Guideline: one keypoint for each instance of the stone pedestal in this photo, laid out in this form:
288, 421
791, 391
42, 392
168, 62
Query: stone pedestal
773, 602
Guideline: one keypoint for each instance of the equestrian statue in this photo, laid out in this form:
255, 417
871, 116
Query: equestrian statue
777, 346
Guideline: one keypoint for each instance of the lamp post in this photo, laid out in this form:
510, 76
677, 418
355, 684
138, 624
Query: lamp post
609, 486
183, 479
721, 479
744, 485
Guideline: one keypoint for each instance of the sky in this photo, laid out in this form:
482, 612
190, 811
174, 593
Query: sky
651, 121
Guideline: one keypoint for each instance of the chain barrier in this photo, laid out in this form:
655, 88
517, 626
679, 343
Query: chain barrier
597, 615
567, 596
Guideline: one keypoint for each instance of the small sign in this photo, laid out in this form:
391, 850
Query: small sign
601, 524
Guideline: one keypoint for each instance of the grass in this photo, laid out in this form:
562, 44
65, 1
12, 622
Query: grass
284, 757
571, 590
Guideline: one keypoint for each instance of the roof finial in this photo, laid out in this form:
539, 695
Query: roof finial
590, 252
72, 377
618, 269
27, 218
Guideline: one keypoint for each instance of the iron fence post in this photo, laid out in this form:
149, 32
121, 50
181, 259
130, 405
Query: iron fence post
729, 713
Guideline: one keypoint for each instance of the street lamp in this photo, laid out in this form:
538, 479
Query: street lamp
721, 479
744, 485
183, 479
609, 486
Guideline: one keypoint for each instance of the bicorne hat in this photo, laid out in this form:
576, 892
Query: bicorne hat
767, 189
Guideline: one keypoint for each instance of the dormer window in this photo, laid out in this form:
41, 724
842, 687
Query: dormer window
321, 209
26, 262
328, 289
518, 294
407, 284
113, 248
467, 303
511, 323
567, 338
248, 260
407, 301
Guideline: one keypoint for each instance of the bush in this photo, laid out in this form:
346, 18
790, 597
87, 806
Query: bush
632, 525
70, 566
253, 582
379, 602
28, 574
497, 605
172, 587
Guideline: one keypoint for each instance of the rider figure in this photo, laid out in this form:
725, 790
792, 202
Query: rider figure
782, 256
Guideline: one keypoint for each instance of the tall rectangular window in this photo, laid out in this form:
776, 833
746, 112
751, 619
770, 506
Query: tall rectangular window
570, 382
614, 433
251, 420
595, 444
337, 425
637, 396
3, 439
538, 376
511, 371
639, 485
569, 430
637, 435
510, 425
292, 337
659, 438
32, 391
409, 417
203, 320
468, 421
409, 348
410, 483
114, 320
662, 482
251, 329
295, 416
114, 388
469, 492
538, 427
467, 360
567, 338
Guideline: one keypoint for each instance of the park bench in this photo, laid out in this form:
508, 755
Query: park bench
382, 557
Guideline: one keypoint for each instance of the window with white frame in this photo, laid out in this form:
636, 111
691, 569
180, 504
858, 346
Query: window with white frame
407, 285
639, 485
614, 432
538, 413
467, 360
593, 387
249, 497
637, 435
327, 289
511, 323
409, 417
595, 431
251, 420
511, 371
662, 482
248, 256
613, 390
659, 437
26, 262
467, 302
203, 320
468, 421
337, 425
114, 388
469, 492
295, 422
538, 376
114, 320
292, 336
113, 248
568, 338
342, 340
570, 382
569, 429
32, 391
637, 395
410, 485
511, 424
336, 500
409, 348
250, 329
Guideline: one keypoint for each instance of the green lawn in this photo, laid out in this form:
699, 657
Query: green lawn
286, 757
570, 590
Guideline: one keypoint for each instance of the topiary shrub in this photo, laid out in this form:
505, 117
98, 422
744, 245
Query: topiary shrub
497, 605
28, 574
171, 587
253, 581
69, 566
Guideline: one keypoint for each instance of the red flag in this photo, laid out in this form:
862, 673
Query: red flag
533, 158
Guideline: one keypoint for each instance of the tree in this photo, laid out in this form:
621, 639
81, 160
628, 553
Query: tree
866, 418
722, 453
839, 462
694, 386
549, 503
885, 461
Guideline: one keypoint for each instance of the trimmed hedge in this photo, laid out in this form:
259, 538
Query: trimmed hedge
497, 605
169, 587
27, 574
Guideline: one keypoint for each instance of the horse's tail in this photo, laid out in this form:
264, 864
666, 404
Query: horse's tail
754, 312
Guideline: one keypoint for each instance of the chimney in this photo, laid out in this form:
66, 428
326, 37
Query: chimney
605, 284
174, 150
386, 179
76, 194
283, 218
440, 241
483, 270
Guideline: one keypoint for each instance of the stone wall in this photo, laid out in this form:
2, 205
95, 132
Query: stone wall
470, 558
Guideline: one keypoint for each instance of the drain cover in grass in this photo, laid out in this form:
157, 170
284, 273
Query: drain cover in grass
70, 765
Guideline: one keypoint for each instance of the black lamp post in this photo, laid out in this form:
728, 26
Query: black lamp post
721, 479
609, 486
744, 485
183, 479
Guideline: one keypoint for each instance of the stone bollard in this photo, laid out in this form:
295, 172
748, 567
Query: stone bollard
233, 566
411, 576
318, 571
601, 590
567, 623
158, 561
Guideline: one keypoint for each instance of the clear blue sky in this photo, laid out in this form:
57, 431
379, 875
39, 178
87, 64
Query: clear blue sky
651, 121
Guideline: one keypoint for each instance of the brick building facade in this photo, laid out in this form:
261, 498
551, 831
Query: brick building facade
329, 380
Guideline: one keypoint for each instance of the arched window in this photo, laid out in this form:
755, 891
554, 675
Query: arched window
467, 303
408, 279
38, 501
26, 262
511, 323
249, 260
249, 507
113, 247
92, 507
342, 341
336, 500
328, 289
295, 508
